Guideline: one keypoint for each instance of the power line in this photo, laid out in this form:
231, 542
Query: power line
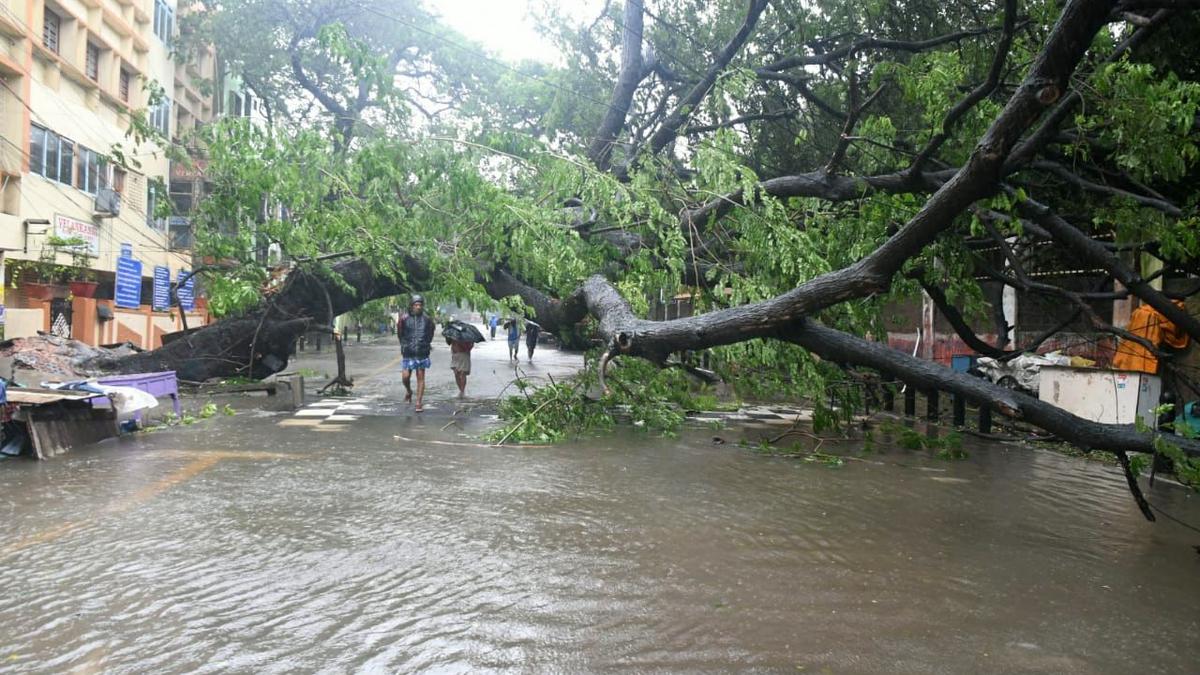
148, 243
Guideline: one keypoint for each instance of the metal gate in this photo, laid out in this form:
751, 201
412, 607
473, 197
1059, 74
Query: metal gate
60, 317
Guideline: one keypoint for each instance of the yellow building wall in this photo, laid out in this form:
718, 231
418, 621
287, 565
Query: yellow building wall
53, 90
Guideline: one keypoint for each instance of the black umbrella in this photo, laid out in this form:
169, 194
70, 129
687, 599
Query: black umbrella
459, 330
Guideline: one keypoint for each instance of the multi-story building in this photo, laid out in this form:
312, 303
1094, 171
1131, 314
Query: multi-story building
78, 189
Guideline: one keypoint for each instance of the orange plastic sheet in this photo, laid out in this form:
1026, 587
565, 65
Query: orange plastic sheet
1157, 329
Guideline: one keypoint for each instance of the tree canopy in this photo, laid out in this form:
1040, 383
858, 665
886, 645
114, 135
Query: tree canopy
793, 167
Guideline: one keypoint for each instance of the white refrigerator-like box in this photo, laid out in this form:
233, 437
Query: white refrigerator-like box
1107, 396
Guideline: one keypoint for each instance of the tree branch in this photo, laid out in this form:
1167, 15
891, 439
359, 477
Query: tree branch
801, 86
839, 347
741, 119
1086, 185
332, 105
956, 320
1049, 126
631, 74
1095, 253
981, 92
876, 43
821, 185
669, 129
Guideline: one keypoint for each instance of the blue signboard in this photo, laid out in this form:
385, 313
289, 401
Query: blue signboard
187, 291
129, 283
162, 287
126, 249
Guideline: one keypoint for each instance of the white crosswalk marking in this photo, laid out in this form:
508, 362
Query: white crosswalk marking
329, 411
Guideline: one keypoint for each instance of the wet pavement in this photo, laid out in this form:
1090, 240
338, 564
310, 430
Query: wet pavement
398, 542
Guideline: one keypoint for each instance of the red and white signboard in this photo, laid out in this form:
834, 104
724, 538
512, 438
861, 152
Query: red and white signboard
69, 227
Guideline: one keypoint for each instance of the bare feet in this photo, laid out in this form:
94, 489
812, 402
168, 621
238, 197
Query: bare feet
419, 408
408, 397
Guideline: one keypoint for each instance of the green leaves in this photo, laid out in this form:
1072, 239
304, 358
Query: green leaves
1146, 118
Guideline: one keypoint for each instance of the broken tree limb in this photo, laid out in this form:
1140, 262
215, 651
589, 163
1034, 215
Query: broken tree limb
1095, 253
835, 345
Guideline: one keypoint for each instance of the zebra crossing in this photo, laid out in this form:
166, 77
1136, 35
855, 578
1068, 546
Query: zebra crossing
329, 413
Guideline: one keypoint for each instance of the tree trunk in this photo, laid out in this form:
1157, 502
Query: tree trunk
260, 343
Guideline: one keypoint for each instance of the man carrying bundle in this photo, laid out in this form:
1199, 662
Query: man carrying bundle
462, 338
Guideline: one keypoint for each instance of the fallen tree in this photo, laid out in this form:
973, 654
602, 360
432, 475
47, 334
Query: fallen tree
765, 261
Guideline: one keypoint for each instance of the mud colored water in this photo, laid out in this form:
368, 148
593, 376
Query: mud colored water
241, 546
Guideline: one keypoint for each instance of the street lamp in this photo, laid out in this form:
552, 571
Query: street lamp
33, 226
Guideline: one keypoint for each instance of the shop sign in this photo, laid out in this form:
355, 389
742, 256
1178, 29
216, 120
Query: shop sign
67, 228
162, 288
186, 291
129, 283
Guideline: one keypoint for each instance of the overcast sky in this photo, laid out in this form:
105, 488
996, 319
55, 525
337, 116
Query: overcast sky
505, 26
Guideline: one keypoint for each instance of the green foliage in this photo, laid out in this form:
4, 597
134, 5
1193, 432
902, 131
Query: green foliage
1187, 469
1148, 119
798, 451
549, 413
648, 398
947, 445
375, 312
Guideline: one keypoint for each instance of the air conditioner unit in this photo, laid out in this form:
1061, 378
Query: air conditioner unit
107, 204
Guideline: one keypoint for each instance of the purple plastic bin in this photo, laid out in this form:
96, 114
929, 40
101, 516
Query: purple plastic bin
155, 384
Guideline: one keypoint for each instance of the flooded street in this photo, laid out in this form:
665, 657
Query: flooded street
396, 542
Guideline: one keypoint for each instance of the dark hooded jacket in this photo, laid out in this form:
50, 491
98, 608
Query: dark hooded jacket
416, 336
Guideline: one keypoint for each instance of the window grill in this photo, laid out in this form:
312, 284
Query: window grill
51, 28
92, 63
164, 21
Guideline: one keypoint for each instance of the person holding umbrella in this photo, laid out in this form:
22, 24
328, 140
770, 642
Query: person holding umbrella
462, 338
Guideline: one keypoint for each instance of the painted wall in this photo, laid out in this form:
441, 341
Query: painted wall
142, 327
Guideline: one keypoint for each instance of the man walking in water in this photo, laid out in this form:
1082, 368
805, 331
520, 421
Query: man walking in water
415, 330
531, 337
514, 338
460, 362
492, 323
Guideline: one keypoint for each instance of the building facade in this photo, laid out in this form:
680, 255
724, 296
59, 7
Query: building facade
79, 192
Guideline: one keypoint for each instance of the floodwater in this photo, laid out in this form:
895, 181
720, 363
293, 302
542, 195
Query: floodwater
396, 543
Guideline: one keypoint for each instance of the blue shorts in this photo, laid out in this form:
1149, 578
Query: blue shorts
416, 364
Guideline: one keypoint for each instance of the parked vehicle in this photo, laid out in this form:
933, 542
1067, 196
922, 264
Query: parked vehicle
1023, 373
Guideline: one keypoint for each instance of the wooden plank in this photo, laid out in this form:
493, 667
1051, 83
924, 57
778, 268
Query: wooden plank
32, 396
58, 427
268, 387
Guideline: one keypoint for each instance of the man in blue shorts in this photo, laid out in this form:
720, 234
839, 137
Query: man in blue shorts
514, 338
415, 330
